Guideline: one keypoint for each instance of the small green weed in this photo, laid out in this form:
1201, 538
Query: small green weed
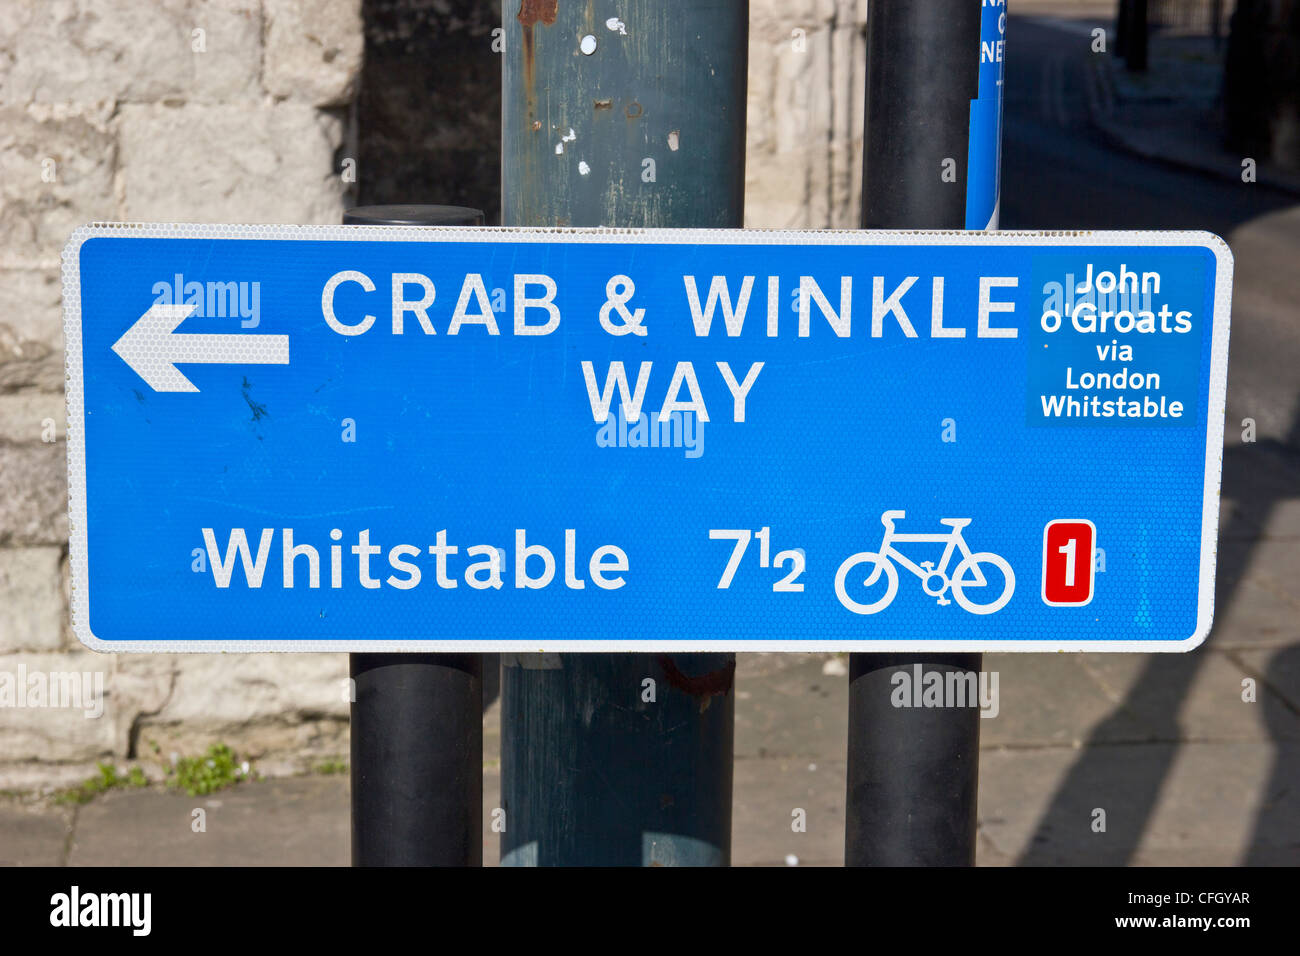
215, 770
109, 779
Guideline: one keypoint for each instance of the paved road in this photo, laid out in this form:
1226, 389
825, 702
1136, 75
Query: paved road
1200, 775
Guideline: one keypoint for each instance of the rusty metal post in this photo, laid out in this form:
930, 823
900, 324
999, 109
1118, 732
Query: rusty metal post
627, 114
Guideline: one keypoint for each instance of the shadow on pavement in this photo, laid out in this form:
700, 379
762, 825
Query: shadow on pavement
1131, 795
1275, 840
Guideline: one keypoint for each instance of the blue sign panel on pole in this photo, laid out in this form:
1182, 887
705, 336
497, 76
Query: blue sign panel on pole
984, 154
399, 438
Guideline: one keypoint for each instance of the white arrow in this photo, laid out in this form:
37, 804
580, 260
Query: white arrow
152, 348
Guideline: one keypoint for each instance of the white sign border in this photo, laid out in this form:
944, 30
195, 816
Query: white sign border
76, 442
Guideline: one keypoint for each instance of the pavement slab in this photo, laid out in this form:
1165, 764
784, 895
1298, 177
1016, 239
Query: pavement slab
298, 821
33, 835
1222, 804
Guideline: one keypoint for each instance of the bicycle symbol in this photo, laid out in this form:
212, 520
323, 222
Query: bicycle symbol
966, 575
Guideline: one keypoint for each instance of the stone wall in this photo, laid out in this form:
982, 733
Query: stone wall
189, 110
248, 110
807, 69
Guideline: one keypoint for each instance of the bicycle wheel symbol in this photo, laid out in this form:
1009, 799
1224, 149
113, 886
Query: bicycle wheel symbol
958, 584
863, 569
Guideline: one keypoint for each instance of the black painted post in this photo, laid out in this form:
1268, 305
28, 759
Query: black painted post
1137, 35
417, 719
913, 772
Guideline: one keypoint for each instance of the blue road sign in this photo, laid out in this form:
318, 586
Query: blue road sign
984, 154
392, 438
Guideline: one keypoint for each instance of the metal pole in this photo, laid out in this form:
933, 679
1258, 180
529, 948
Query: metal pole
631, 117
1138, 35
913, 772
417, 719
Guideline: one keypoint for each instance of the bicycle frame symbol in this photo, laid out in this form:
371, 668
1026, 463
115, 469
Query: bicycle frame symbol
855, 573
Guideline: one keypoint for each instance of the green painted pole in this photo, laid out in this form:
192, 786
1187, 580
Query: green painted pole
628, 114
